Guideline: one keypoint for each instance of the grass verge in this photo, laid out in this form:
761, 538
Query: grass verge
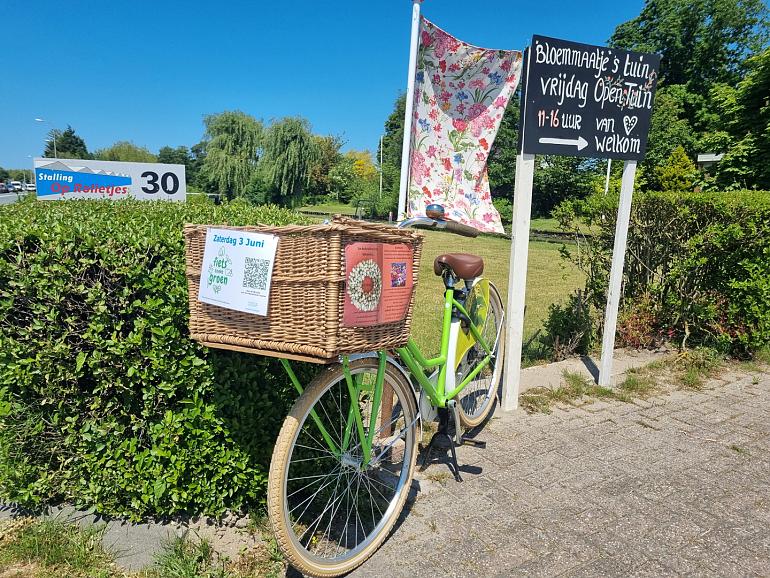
694, 366
32, 548
53, 549
577, 388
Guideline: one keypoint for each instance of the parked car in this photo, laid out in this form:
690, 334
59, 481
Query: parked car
4, 188
30, 186
17, 186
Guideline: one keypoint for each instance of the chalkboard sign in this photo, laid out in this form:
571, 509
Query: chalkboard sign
587, 101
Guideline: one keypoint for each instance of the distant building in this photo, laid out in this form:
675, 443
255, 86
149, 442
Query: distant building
706, 160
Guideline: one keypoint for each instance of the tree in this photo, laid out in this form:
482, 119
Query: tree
180, 156
501, 164
678, 173
127, 152
702, 42
392, 143
174, 156
68, 145
4, 175
197, 156
289, 154
22, 175
328, 148
669, 128
232, 152
558, 178
355, 177
743, 114
363, 165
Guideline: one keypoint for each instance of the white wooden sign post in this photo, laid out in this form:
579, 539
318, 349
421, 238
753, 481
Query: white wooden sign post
616, 273
517, 281
586, 101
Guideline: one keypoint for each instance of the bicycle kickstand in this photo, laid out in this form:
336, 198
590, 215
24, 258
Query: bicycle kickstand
443, 434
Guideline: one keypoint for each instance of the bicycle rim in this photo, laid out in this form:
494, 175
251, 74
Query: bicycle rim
330, 511
475, 400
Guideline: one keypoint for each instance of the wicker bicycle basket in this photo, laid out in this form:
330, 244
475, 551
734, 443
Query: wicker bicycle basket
304, 316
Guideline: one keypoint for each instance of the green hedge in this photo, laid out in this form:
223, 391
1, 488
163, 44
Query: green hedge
697, 265
104, 400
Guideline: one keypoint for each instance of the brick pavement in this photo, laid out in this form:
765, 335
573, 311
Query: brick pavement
675, 485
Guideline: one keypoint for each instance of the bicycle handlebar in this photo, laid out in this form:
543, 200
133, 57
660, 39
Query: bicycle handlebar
460, 229
449, 226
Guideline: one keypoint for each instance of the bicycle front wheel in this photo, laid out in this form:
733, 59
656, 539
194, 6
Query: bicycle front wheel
475, 400
331, 508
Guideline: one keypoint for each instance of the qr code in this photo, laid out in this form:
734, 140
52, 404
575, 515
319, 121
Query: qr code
255, 273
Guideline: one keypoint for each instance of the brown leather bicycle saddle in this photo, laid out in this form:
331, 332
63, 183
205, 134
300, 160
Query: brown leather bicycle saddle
463, 265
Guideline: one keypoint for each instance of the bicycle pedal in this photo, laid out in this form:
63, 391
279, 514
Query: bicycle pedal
475, 443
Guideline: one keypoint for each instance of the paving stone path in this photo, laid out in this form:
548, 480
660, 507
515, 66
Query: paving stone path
675, 485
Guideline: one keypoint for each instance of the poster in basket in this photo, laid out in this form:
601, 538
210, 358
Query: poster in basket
237, 270
378, 283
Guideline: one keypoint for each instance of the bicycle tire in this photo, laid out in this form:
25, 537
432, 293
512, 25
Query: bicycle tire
472, 413
309, 553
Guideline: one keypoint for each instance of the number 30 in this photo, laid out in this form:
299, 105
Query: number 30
169, 182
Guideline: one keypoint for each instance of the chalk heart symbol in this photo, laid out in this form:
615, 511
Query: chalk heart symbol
629, 122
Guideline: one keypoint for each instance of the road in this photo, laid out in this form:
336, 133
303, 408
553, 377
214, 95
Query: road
8, 198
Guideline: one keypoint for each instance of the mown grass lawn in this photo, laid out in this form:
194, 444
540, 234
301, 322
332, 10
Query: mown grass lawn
550, 279
545, 224
331, 208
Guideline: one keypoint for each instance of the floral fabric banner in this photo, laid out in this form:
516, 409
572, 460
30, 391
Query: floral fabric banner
460, 95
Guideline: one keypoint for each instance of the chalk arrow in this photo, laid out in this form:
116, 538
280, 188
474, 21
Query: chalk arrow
579, 142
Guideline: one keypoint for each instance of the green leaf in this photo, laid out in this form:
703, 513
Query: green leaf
80, 360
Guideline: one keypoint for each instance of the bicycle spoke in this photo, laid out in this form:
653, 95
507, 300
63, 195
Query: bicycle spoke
381, 428
332, 456
338, 440
312, 496
334, 511
320, 516
305, 487
318, 448
325, 494
347, 519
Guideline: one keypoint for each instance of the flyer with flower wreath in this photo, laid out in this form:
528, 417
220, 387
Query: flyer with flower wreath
378, 283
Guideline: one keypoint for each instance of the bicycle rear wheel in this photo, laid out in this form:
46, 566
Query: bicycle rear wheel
475, 400
329, 511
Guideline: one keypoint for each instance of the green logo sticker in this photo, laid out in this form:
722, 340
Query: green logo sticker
220, 270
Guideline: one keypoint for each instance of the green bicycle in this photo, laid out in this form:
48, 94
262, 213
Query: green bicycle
343, 463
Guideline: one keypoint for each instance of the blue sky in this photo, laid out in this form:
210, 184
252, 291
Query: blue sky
148, 71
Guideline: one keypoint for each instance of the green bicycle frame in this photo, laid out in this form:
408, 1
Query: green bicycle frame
417, 365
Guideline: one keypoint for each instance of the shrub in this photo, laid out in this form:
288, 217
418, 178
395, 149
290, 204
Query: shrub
505, 208
678, 173
702, 260
638, 324
569, 328
104, 400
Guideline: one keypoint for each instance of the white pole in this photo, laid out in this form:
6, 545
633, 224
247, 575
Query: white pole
607, 180
380, 167
409, 109
517, 269
616, 273
517, 281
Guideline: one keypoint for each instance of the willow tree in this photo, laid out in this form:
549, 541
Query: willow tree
289, 153
232, 151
